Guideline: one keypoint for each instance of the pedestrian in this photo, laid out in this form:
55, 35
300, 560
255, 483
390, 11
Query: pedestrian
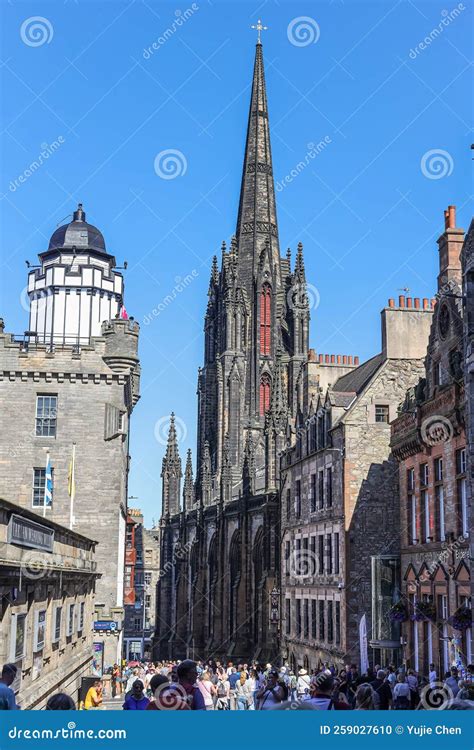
243, 692
293, 684
271, 694
166, 697
432, 676
412, 681
60, 702
321, 694
187, 675
7, 696
136, 700
93, 696
364, 700
222, 690
401, 694
232, 678
383, 693
452, 681
303, 683
207, 689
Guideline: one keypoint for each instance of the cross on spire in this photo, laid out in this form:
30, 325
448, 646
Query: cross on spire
259, 27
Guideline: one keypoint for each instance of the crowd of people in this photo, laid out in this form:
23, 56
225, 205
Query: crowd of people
213, 686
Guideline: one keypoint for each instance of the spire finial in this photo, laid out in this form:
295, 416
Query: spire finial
79, 213
259, 27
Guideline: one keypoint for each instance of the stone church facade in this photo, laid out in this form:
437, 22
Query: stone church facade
220, 550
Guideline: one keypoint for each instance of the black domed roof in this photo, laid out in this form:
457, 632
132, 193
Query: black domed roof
78, 234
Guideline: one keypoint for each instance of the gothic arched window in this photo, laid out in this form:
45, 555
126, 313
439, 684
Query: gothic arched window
264, 393
265, 319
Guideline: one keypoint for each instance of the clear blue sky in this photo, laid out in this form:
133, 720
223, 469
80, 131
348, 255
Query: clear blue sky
364, 208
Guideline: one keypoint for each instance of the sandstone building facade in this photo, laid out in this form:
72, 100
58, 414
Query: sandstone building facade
429, 441
67, 388
339, 500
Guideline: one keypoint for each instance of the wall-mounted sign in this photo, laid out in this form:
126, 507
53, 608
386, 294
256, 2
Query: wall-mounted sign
109, 625
28, 533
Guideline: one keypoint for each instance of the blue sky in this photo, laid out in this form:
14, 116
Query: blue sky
368, 208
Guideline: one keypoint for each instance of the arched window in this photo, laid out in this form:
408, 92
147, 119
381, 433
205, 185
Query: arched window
265, 319
265, 385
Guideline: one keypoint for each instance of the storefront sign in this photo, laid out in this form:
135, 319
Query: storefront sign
28, 533
105, 625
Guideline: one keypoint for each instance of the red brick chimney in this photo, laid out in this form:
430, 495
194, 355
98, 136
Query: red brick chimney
450, 245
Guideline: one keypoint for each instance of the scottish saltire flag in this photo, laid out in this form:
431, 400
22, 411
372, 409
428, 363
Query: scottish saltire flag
48, 484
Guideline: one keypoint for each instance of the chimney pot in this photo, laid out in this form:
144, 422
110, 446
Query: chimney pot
451, 217
333, 359
311, 355
417, 303
433, 303
344, 359
338, 359
356, 360
349, 359
446, 219
391, 302
326, 357
401, 301
409, 302
425, 303
321, 358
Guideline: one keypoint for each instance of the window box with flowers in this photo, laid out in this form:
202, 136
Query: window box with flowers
462, 618
399, 612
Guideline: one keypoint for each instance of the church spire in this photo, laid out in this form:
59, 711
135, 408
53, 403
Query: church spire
257, 222
171, 473
188, 487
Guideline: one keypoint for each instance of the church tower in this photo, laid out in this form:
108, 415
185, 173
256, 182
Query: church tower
256, 326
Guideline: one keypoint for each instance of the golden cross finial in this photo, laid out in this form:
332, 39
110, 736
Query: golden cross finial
260, 27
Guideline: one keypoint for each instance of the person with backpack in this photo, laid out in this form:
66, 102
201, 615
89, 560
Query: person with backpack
401, 694
222, 691
303, 683
292, 685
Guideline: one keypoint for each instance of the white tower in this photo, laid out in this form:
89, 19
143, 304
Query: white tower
75, 288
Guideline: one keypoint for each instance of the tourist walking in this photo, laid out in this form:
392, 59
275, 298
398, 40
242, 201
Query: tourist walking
136, 700
7, 696
271, 694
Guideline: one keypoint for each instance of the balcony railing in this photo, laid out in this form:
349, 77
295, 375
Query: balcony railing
31, 340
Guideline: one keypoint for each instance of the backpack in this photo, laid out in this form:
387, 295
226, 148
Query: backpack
221, 691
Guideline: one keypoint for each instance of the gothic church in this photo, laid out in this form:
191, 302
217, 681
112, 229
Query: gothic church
220, 548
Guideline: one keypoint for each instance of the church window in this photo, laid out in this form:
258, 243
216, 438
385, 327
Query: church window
46, 411
265, 319
264, 394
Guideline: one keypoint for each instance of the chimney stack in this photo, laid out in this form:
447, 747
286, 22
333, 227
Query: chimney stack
450, 246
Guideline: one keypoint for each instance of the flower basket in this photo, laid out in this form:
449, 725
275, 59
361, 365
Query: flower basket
462, 619
424, 611
398, 613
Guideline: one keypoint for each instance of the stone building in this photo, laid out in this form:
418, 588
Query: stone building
429, 441
67, 389
47, 581
142, 572
467, 260
339, 500
215, 597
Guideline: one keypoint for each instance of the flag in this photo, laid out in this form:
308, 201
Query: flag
123, 313
48, 484
71, 484
364, 657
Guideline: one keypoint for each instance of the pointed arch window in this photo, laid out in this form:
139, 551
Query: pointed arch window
265, 319
265, 385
